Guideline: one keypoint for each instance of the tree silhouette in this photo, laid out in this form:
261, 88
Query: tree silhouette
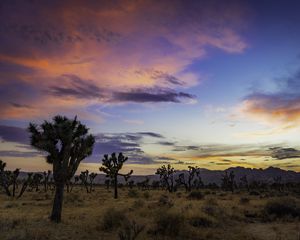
228, 182
8, 178
111, 166
166, 176
67, 143
4, 178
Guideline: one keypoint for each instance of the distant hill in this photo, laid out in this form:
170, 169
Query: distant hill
214, 176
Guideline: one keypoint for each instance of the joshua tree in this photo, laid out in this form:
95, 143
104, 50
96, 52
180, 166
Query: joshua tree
194, 179
67, 143
25, 184
87, 179
228, 182
14, 178
5, 177
36, 181
107, 183
245, 182
92, 177
111, 166
46, 180
8, 178
166, 176
84, 179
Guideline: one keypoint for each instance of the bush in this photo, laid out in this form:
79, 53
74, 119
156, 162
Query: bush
200, 221
146, 195
164, 200
195, 195
254, 193
130, 230
169, 224
112, 219
133, 193
244, 200
138, 203
283, 207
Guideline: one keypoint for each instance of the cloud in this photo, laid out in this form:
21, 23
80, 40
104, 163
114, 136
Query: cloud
185, 148
14, 134
131, 144
76, 87
281, 107
19, 154
151, 134
166, 143
152, 95
108, 52
284, 153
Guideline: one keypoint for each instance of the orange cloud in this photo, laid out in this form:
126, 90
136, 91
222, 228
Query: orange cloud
120, 45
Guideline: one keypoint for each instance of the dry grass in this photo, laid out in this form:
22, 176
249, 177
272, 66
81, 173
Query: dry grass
156, 214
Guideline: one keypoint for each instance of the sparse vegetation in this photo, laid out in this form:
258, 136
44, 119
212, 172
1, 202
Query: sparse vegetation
147, 211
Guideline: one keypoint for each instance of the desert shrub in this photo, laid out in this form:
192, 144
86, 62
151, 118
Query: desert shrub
254, 193
113, 219
179, 194
211, 208
169, 224
138, 203
282, 207
146, 195
244, 200
132, 193
164, 200
201, 221
130, 230
72, 198
9, 224
195, 195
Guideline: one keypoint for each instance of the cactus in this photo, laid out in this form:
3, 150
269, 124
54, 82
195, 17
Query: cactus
67, 143
111, 166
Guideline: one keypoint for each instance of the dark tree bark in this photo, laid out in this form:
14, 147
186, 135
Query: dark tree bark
58, 201
116, 186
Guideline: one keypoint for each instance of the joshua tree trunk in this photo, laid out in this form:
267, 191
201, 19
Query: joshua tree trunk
116, 186
58, 201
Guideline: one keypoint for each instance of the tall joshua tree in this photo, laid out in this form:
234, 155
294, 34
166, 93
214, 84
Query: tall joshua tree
166, 174
111, 166
67, 143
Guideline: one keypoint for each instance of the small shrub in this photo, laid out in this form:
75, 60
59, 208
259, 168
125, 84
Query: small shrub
282, 207
195, 195
212, 208
164, 200
244, 200
130, 230
169, 224
112, 219
254, 193
132, 193
200, 221
138, 203
146, 195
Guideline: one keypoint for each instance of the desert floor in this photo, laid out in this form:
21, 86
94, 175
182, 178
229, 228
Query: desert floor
152, 214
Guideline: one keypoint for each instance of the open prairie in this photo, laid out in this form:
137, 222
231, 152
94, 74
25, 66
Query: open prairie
153, 214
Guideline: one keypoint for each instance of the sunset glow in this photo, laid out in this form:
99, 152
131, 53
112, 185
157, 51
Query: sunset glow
215, 84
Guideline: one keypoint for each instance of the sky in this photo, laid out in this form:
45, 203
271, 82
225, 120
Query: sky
214, 84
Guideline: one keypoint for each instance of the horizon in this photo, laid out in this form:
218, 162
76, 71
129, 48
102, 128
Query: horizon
200, 83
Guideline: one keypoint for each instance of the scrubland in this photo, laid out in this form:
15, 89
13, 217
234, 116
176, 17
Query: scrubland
153, 214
